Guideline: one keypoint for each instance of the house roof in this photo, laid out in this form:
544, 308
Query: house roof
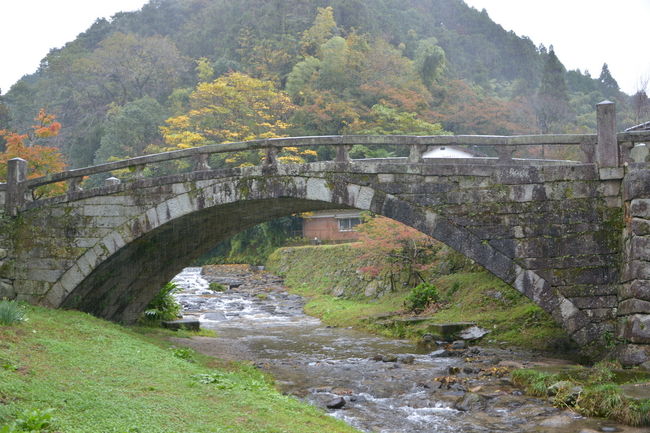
640, 127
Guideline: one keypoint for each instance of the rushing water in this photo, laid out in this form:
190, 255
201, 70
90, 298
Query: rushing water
319, 363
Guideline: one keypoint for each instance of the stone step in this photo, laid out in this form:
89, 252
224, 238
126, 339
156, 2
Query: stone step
188, 324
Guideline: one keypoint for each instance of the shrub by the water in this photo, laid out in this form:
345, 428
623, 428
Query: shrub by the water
163, 306
10, 312
216, 287
421, 297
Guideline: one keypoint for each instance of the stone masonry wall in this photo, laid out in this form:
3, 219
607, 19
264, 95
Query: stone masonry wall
634, 296
6, 280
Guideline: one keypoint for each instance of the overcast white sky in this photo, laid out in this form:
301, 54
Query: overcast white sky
585, 33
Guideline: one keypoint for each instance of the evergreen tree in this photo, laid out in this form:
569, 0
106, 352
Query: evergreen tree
607, 81
5, 119
430, 61
552, 101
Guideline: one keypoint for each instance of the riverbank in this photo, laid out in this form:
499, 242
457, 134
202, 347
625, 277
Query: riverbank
467, 295
383, 384
83, 374
340, 295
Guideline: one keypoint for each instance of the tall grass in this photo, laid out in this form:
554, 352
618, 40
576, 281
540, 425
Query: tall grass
10, 312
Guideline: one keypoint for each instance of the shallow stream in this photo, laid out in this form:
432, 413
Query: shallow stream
389, 386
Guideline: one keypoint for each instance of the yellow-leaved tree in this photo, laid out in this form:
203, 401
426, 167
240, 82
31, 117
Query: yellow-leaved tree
234, 107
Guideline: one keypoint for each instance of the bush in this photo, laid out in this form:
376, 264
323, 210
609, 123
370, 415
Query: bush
216, 287
183, 353
421, 297
163, 306
10, 312
31, 421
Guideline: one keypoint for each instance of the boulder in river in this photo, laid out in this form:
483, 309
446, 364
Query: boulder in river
458, 345
217, 316
335, 403
406, 359
440, 353
557, 421
473, 333
470, 401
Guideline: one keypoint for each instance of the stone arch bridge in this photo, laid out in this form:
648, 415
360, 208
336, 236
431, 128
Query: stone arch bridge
573, 236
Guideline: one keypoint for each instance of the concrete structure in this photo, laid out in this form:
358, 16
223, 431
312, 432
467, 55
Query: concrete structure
335, 225
572, 236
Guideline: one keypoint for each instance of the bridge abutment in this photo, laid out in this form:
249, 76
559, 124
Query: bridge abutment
634, 295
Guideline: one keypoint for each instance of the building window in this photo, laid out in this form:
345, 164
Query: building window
348, 224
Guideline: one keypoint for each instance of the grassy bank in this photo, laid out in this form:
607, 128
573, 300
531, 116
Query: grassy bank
94, 376
595, 391
338, 293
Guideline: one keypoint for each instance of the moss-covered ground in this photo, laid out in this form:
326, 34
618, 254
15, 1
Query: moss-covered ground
97, 377
328, 276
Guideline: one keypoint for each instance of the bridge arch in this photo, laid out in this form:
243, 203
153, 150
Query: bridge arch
170, 223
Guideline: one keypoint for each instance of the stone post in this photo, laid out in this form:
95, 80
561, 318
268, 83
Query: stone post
607, 146
343, 153
16, 176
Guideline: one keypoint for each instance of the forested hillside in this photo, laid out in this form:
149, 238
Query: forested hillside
183, 73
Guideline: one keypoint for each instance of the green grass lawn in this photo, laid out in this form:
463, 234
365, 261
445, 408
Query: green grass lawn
97, 377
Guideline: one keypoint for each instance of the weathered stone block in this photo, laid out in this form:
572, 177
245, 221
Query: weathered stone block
635, 328
32, 287
601, 314
636, 269
103, 210
632, 306
609, 188
590, 290
54, 298
640, 207
630, 355
613, 202
71, 278
49, 275
7, 289
592, 332
555, 173
611, 173
640, 227
108, 221
639, 289
113, 242
640, 248
636, 185
180, 206
593, 302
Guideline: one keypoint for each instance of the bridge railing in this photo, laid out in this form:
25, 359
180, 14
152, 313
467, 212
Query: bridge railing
606, 149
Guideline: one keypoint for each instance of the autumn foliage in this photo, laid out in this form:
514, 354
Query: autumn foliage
234, 107
41, 159
395, 251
